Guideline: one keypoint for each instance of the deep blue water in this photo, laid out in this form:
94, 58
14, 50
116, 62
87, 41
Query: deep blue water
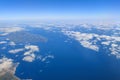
71, 62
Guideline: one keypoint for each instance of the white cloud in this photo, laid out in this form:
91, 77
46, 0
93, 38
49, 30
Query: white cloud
89, 45
7, 66
10, 29
3, 42
33, 48
106, 43
84, 39
3, 48
29, 55
6, 30
4, 34
29, 58
47, 57
115, 50
16, 50
89, 40
12, 43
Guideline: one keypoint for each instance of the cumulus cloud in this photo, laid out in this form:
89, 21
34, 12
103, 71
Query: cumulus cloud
32, 48
29, 55
12, 43
84, 39
4, 34
29, 58
89, 45
47, 57
16, 50
3, 48
3, 42
115, 50
7, 66
90, 40
6, 30
106, 43
10, 29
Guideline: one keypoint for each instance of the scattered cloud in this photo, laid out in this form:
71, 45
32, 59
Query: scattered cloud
3, 48
32, 48
12, 43
7, 67
107, 43
30, 55
115, 50
16, 50
29, 58
84, 39
47, 57
90, 41
3, 42
10, 29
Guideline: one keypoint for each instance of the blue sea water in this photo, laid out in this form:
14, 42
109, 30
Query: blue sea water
72, 61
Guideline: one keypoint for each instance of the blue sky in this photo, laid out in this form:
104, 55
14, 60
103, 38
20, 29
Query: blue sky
59, 9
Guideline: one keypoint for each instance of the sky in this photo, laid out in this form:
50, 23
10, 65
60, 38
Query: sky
59, 9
